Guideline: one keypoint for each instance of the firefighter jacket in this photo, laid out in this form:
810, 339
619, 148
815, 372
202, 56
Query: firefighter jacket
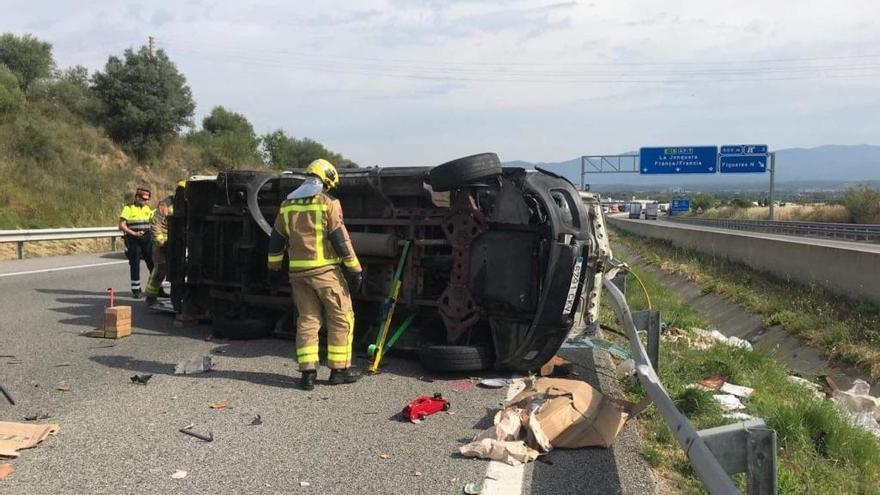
137, 218
315, 236
159, 227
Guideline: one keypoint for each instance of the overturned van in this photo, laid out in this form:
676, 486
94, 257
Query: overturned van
499, 268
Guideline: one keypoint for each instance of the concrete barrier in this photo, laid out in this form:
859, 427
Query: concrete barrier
853, 270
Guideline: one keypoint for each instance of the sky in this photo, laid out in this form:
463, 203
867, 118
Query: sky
419, 82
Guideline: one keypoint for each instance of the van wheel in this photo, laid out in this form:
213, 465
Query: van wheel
463, 171
455, 358
245, 329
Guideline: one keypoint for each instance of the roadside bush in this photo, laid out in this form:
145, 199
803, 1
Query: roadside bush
863, 203
11, 97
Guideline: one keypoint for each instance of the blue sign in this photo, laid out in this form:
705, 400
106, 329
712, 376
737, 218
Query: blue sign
743, 159
682, 204
678, 160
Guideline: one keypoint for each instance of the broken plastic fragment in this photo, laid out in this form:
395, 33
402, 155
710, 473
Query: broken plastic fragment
141, 379
219, 405
179, 474
194, 365
304, 483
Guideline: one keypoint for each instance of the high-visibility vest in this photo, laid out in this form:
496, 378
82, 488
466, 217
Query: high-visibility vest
137, 217
307, 224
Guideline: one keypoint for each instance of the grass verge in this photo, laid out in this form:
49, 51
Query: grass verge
819, 450
844, 328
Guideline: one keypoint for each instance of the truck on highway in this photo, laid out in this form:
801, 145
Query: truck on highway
651, 211
500, 265
635, 210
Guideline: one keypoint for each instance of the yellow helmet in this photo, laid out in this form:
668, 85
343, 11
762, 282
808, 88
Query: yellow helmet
325, 171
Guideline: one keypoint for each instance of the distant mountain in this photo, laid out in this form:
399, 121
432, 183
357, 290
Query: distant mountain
830, 164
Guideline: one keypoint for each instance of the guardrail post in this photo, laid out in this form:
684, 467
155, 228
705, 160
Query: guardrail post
20, 250
113, 244
748, 447
649, 320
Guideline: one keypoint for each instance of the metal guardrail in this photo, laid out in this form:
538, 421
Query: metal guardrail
849, 231
715, 453
21, 236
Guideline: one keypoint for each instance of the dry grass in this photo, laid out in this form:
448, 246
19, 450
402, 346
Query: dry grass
803, 213
57, 248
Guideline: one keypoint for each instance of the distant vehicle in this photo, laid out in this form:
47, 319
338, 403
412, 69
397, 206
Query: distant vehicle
635, 210
664, 207
651, 210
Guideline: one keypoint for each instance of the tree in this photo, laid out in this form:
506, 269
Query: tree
27, 57
703, 201
11, 97
740, 203
863, 204
227, 139
284, 152
71, 90
145, 101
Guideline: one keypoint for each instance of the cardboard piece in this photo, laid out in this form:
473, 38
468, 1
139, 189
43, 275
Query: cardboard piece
572, 414
17, 436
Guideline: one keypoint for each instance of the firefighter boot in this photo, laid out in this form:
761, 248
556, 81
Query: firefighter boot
307, 380
345, 375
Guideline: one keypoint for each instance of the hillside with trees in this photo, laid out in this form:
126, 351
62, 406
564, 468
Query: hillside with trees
74, 145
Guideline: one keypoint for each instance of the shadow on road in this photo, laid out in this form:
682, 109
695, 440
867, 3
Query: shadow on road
135, 365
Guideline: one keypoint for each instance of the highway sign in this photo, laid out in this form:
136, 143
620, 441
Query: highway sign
678, 160
681, 204
743, 158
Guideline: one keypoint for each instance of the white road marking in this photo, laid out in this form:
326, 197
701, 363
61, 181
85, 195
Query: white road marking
501, 477
61, 268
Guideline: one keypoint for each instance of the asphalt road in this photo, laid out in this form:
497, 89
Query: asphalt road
119, 437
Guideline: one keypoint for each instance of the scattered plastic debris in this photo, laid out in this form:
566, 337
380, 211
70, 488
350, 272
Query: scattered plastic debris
729, 402
418, 473
304, 483
585, 342
708, 338
492, 383
739, 416
472, 488
62, 365
384, 456
257, 421
737, 390
424, 406
219, 405
36, 417
194, 365
179, 474
5, 470
862, 408
815, 388
17, 436
712, 383
141, 379
63, 388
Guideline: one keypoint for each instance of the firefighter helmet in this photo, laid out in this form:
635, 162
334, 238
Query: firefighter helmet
325, 171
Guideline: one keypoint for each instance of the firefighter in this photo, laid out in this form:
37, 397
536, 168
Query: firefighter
134, 222
159, 231
309, 225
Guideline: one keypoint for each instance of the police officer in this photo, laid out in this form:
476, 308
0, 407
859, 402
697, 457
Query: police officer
309, 225
159, 231
134, 221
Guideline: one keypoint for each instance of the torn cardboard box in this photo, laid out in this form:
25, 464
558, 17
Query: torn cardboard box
548, 413
18, 436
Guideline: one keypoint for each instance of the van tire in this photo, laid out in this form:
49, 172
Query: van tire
455, 358
463, 171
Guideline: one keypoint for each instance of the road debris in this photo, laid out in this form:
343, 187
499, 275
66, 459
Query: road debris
729, 402
472, 488
815, 388
712, 383
7, 395
705, 339
194, 365
384, 456
37, 417
219, 405
141, 379
424, 406
492, 383
556, 367
179, 474
718, 383
62, 365
18, 436
738, 416
548, 413
63, 388
585, 342
862, 408
187, 430
304, 484
5, 470
256, 421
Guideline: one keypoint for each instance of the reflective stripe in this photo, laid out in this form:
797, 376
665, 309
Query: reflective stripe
318, 209
352, 263
276, 258
307, 358
305, 207
313, 263
309, 349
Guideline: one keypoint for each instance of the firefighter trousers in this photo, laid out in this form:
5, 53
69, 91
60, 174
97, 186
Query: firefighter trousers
137, 249
323, 296
158, 273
